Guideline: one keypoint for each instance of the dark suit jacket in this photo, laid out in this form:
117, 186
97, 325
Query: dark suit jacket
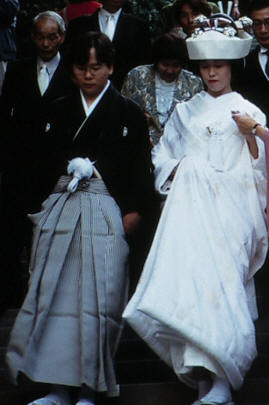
253, 84
21, 106
115, 136
21, 99
131, 42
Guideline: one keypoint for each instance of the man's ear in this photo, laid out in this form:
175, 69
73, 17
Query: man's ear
111, 70
74, 80
62, 38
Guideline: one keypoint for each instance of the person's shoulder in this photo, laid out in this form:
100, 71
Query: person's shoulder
17, 70
252, 55
253, 110
120, 100
61, 106
128, 107
21, 63
251, 65
190, 75
244, 101
196, 99
126, 111
191, 81
132, 105
140, 71
82, 20
133, 19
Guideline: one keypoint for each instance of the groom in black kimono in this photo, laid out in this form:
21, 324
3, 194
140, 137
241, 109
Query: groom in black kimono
114, 135
95, 122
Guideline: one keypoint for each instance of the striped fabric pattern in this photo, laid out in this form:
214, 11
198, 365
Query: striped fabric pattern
69, 326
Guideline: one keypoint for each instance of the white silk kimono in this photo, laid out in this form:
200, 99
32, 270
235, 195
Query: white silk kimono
195, 302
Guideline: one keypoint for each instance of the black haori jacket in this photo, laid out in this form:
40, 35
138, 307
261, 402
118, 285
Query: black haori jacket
115, 136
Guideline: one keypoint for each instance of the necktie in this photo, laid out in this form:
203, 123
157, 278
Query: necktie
43, 79
267, 64
110, 26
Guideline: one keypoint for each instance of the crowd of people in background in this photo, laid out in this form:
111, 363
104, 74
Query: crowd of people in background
94, 131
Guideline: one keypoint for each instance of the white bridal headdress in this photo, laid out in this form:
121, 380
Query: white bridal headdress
219, 37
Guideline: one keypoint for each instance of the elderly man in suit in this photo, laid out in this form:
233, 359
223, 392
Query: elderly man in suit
254, 84
130, 36
29, 86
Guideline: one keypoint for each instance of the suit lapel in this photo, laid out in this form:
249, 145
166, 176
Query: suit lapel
258, 67
73, 110
119, 28
59, 77
77, 113
54, 82
95, 21
32, 78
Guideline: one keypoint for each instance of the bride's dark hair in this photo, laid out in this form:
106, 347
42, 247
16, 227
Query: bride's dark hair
237, 67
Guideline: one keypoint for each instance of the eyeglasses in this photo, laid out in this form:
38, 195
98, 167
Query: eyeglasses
259, 23
84, 69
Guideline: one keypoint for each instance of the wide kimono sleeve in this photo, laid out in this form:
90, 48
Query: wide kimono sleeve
168, 153
260, 166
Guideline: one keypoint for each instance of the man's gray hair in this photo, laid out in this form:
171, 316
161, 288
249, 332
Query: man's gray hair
52, 15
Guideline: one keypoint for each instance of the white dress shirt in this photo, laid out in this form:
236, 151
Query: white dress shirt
51, 65
164, 97
103, 17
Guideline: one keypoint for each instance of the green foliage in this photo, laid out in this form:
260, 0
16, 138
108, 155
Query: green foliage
30, 8
148, 10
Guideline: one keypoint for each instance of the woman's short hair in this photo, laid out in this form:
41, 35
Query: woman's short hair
197, 6
169, 46
79, 48
237, 68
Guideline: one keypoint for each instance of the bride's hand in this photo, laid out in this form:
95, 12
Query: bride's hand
244, 122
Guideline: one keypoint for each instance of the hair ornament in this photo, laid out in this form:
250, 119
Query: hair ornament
229, 31
244, 23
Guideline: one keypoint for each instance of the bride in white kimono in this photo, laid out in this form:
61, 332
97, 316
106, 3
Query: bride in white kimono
195, 302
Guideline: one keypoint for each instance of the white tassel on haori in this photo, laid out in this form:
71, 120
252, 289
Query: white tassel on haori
79, 168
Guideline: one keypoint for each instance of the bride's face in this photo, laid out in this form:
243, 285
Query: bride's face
216, 75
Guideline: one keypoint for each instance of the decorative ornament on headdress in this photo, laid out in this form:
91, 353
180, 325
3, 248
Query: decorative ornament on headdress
219, 37
244, 23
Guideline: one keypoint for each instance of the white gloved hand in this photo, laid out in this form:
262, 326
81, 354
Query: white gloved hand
80, 168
